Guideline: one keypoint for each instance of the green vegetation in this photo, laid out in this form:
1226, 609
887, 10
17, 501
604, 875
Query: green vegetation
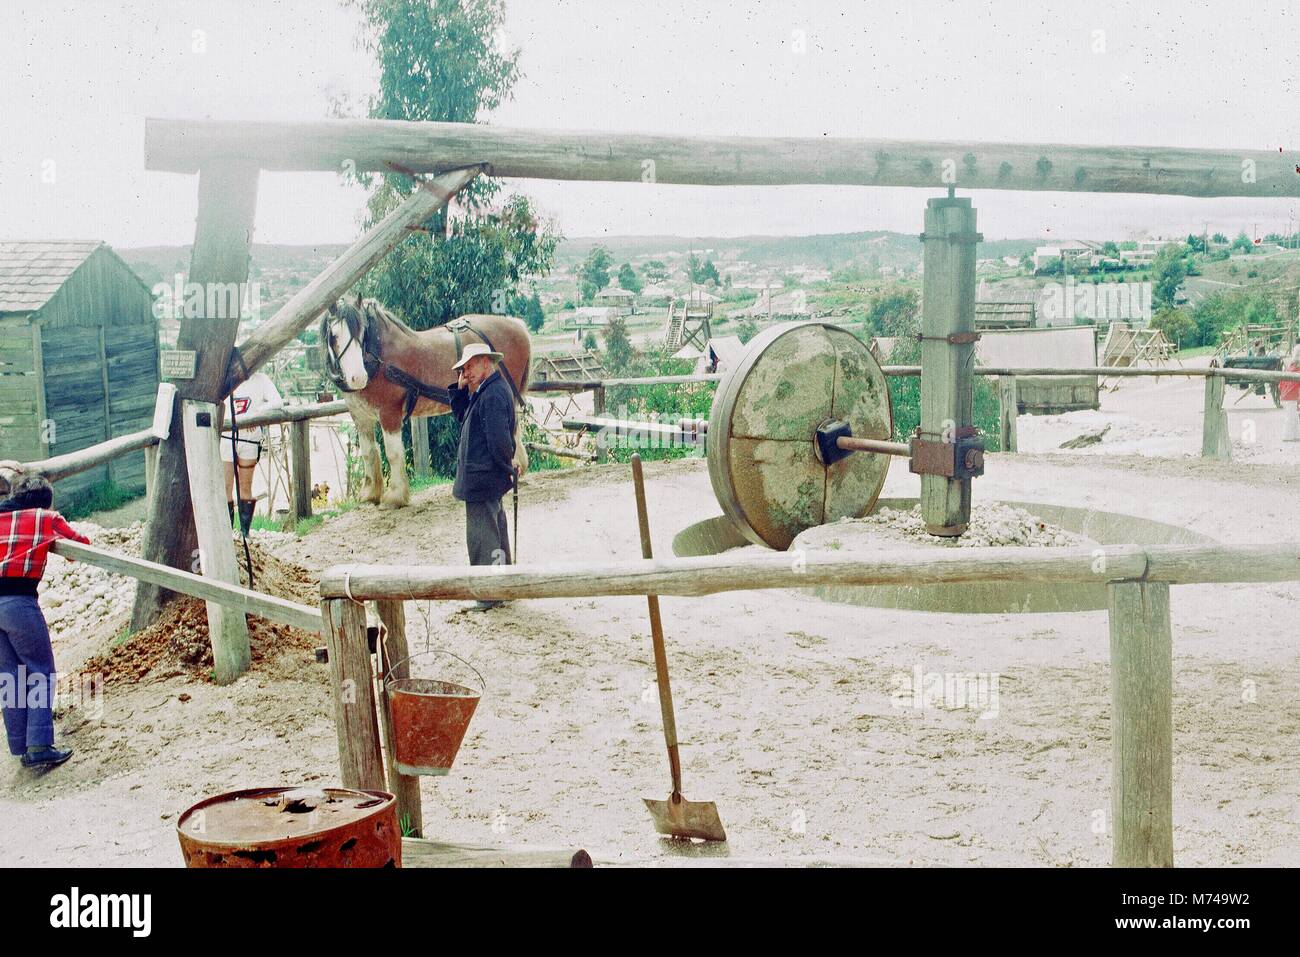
905, 396
103, 497
593, 275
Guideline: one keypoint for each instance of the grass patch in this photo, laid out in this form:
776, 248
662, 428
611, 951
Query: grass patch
103, 497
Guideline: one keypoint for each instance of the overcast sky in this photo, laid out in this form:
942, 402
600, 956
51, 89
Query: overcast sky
78, 78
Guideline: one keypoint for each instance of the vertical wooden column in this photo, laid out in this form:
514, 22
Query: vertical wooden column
598, 408
1214, 426
947, 363
227, 627
223, 238
1008, 411
392, 653
300, 469
1142, 735
420, 447
352, 684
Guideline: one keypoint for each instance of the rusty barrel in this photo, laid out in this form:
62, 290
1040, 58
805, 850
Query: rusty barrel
292, 827
430, 718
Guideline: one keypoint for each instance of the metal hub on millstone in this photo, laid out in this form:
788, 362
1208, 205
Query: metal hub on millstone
763, 453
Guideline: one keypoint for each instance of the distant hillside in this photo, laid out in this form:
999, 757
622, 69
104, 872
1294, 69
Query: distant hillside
829, 251
161, 263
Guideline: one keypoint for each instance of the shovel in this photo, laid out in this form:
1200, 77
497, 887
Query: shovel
676, 816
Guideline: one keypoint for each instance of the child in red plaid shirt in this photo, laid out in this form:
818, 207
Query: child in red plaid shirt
28, 527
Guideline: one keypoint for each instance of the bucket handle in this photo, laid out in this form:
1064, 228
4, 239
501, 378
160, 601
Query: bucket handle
439, 651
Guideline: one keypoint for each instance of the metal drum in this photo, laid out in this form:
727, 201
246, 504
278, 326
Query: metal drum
292, 827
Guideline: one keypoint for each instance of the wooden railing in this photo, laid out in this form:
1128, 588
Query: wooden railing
1141, 637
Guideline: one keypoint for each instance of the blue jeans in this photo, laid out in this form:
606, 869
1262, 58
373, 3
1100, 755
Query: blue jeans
26, 673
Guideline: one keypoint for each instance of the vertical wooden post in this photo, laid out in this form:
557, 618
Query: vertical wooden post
420, 447
227, 627
300, 469
598, 408
352, 683
223, 238
1142, 735
1008, 411
947, 352
1214, 428
150, 472
391, 654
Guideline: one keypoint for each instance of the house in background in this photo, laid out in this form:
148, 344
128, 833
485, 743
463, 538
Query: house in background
78, 356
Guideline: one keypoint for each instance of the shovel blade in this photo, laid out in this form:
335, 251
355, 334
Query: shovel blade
678, 817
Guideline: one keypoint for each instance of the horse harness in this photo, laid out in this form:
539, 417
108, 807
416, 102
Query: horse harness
415, 388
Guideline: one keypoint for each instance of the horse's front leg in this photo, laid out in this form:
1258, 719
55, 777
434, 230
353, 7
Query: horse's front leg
399, 490
373, 486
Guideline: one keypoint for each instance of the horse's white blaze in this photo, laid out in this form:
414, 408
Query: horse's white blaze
349, 355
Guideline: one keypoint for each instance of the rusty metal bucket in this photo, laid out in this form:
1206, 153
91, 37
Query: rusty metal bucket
292, 827
430, 718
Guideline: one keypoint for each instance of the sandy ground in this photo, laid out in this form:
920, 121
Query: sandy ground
789, 708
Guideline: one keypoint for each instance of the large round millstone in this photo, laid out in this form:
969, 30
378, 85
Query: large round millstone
763, 463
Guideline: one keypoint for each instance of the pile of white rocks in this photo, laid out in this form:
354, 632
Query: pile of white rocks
80, 599
991, 523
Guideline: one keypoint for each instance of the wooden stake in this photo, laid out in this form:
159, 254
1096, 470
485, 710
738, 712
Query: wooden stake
394, 649
300, 469
948, 308
1142, 764
420, 447
1008, 411
227, 629
352, 682
598, 408
1214, 428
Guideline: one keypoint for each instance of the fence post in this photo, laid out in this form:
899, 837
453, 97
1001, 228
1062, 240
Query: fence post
1008, 411
150, 472
1214, 432
598, 408
300, 469
420, 453
1142, 736
391, 652
352, 684
227, 627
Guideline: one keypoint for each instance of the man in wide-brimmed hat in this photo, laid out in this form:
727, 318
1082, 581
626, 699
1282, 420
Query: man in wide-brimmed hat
485, 468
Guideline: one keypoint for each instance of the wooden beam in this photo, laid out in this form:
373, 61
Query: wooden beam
392, 654
83, 460
311, 300
227, 628
182, 145
223, 242
1008, 412
1142, 725
300, 469
947, 310
1215, 443
235, 597
710, 574
352, 685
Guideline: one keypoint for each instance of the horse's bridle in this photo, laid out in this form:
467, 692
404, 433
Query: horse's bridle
334, 363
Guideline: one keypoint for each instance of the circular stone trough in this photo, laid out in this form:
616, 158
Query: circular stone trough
718, 534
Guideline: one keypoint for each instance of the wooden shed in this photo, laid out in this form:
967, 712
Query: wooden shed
78, 355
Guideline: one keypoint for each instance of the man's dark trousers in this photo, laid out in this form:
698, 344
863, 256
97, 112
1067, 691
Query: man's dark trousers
485, 466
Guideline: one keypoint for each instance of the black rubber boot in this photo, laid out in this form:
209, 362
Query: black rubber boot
246, 516
230, 507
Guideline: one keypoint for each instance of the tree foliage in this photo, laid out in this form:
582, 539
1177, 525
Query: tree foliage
628, 279
894, 311
593, 274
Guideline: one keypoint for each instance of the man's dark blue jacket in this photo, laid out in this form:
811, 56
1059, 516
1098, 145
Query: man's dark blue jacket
485, 457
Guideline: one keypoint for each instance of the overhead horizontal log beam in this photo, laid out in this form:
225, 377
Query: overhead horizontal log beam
1176, 564
333, 145
339, 276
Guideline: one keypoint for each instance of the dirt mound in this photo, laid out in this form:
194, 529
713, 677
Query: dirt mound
179, 644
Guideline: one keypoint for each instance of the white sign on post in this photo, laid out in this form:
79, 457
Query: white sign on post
179, 363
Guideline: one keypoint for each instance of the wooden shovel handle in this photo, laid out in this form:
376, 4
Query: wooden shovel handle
657, 635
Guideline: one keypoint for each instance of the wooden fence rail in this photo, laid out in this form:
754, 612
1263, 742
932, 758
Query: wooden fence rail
1141, 644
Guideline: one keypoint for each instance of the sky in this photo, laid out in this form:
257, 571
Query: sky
77, 80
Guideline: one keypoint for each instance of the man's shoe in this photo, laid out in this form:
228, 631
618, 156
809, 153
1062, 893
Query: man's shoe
45, 757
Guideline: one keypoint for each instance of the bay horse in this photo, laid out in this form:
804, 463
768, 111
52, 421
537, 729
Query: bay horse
388, 371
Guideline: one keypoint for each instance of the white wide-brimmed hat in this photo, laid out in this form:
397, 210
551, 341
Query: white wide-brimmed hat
476, 349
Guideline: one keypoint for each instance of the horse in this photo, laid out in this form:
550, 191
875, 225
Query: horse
388, 372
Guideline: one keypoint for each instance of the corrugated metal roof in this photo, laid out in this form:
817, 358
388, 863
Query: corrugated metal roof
32, 272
